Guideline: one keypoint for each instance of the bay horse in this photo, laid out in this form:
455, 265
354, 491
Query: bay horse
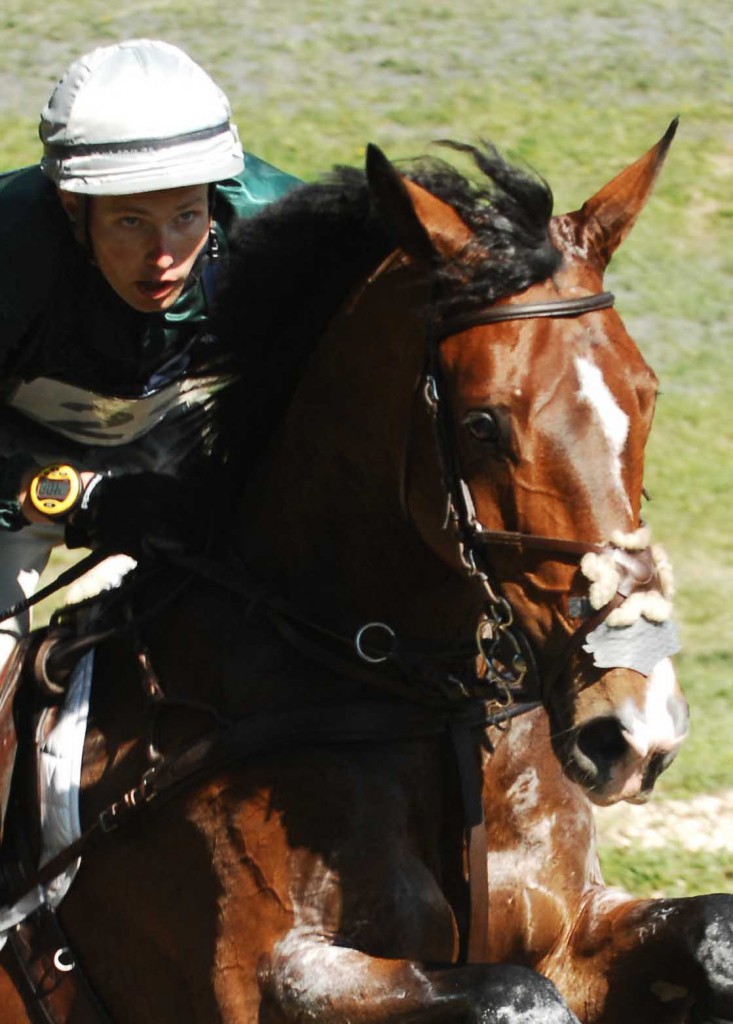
456, 419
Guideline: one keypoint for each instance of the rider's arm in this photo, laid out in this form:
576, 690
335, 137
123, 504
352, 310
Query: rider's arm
13, 468
23, 283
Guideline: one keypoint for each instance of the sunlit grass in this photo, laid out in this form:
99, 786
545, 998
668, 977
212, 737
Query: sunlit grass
671, 871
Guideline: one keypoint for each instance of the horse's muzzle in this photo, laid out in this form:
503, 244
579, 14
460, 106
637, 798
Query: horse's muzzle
627, 731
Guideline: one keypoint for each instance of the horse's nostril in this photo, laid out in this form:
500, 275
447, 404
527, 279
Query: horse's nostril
602, 741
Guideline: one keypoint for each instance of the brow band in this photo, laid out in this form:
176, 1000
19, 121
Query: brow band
524, 311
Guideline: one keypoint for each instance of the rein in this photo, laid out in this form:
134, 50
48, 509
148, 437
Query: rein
64, 579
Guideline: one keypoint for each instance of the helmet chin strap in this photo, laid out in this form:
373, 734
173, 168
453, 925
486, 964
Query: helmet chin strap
206, 267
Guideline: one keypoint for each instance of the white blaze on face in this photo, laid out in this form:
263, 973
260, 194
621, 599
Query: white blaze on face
614, 421
660, 725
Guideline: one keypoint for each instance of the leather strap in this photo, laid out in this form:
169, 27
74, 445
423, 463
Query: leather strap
522, 311
56, 985
556, 546
467, 753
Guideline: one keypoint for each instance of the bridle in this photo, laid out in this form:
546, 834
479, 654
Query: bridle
497, 633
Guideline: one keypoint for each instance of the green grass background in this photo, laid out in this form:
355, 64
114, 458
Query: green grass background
576, 90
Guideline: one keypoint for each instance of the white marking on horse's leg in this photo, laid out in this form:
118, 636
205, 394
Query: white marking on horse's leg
309, 978
614, 421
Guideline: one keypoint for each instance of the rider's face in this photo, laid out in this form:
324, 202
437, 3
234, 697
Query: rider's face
146, 244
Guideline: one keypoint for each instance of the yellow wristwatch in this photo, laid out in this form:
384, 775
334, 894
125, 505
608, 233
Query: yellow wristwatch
56, 490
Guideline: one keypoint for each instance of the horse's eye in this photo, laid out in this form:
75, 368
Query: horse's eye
484, 426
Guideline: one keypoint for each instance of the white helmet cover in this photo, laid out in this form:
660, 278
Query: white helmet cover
138, 116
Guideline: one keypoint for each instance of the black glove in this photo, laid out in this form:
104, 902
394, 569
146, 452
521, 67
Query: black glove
141, 514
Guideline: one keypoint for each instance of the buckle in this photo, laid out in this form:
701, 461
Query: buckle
117, 813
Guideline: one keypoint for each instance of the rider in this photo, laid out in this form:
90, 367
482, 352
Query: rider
109, 253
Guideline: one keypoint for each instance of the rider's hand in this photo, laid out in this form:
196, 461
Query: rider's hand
140, 514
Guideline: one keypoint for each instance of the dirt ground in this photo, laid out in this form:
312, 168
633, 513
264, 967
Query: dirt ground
704, 822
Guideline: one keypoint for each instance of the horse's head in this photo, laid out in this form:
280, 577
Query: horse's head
543, 406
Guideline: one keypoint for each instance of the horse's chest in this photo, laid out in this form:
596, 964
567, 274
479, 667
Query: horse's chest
329, 846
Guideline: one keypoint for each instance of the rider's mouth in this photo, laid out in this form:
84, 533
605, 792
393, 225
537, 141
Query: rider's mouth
157, 290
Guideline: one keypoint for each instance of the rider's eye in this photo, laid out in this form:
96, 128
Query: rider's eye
484, 426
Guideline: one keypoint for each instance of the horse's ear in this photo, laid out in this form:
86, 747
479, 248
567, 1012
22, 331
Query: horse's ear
605, 220
389, 191
425, 226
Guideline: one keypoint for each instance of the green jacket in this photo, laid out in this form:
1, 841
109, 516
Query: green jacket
60, 319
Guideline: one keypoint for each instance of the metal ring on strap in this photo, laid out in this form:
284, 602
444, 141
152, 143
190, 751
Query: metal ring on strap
63, 960
359, 642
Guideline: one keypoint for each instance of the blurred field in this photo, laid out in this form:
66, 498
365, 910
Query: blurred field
575, 90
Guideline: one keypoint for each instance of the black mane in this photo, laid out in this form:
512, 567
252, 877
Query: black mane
293, 264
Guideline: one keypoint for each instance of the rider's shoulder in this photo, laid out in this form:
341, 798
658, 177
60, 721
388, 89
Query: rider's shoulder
30, 215
34, 236
27, 192
259, 184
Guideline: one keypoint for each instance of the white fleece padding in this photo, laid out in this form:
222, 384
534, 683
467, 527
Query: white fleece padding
60, 775
640, 632
649, 605
601, 569
636, 541
664, 570
604, 578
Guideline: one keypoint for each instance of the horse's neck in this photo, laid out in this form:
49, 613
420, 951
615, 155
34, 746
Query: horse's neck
325, 523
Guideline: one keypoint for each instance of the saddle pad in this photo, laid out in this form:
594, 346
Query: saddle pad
59, 774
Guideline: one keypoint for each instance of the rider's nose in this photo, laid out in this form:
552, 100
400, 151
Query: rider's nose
160, 252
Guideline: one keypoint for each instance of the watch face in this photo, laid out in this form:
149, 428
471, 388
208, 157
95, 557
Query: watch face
55, 490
